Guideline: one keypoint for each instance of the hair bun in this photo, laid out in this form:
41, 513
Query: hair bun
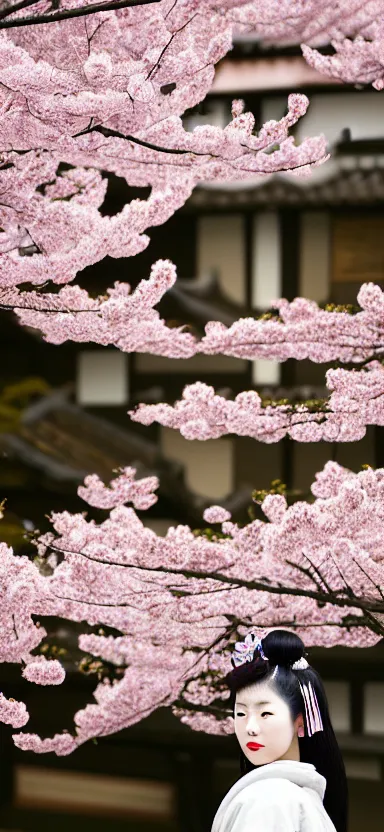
283, 648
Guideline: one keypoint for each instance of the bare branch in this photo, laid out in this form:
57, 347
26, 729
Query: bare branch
107, 132
22, 4
69, 13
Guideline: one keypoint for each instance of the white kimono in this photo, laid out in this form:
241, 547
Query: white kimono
284, 796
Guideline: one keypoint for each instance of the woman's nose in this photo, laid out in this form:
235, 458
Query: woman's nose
253, 726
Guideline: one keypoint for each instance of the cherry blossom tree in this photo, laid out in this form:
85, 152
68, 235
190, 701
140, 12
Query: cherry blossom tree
179, 602
88, 90
103, 88
105, 93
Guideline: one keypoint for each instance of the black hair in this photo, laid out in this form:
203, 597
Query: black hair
283, 648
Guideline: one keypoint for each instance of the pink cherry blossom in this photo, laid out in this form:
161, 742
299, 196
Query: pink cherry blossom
124, 488
299, 329
295, 21
216, 514
21, 589
302, 329
42, 671
60, 744
12, 712
97, 97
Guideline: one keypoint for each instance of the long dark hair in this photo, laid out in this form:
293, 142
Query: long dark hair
282, 648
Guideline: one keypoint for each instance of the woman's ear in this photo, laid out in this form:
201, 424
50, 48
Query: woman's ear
299, 725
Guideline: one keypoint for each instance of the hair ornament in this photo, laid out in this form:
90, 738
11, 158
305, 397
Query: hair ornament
245, 650
301, 664
312, 710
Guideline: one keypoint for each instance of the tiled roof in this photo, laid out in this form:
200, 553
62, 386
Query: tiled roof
343, 180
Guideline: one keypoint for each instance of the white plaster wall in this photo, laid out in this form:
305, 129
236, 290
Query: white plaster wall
221, 249
373, 708
208, 465
102, 377
363, 113
266, 282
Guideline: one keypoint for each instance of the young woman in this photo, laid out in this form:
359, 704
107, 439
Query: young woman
294, 777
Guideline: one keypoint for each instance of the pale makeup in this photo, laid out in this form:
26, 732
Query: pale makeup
262, 716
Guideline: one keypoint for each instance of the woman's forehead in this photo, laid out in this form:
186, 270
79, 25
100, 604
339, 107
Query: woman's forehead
257, 694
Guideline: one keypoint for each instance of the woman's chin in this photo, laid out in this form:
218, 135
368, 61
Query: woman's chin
258, 758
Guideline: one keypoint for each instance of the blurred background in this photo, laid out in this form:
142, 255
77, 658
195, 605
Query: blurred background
63, 415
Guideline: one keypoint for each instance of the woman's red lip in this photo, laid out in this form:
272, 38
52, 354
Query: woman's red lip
254, 746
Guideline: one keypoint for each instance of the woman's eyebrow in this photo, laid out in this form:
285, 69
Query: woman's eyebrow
256, 703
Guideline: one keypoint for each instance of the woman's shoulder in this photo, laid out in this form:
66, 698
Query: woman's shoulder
300, 775
272, 805
271, 791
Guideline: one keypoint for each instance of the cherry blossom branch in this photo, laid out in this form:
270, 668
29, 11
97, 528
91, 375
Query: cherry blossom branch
121, 318
109, 133
344, 337
159, 592
69, 203
291, 167
109, 97
334, 597
301, 329
66, 14
273, 506
356, 401
354, 61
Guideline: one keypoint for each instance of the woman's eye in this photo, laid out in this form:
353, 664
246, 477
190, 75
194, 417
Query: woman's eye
240, 713
266, 713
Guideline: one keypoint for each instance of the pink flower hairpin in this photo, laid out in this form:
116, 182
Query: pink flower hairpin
245, 650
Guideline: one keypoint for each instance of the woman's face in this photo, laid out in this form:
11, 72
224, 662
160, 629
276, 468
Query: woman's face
263, 719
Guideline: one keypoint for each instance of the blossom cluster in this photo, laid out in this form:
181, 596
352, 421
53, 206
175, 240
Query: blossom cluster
51, 225
302, 329
357, 401
308, 21
120, 318
123, 489
12, 712
354, 29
